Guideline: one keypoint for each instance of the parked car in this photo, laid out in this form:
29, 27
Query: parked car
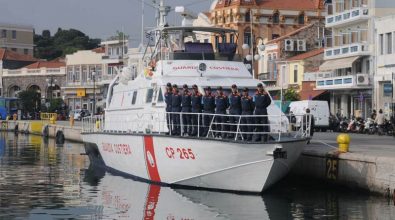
80, 113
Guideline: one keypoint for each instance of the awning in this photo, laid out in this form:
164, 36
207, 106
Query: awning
310, 94
338, 63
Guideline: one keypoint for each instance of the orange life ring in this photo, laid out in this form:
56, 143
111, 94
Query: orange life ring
152, 63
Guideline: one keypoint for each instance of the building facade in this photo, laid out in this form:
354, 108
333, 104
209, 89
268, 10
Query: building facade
258, 22
385, 68
115, 57
350, 55
43, 77
10, 60
84, 71
294, 53
17, 38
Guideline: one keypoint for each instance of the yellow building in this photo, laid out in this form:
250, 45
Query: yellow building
296, 66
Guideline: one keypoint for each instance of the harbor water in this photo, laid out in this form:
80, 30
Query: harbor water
42, 180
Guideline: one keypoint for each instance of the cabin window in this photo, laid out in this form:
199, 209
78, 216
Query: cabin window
160, 98
134, 97
150, 93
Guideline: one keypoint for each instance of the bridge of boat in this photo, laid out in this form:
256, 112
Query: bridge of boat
157, 124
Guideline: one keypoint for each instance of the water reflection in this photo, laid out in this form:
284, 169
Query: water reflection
39, 180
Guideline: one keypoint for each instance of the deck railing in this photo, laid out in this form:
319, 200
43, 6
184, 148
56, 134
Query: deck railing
205, 126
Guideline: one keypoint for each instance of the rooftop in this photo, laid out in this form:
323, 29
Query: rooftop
306, 55
46, 64
99, 50
11, 55
276, 4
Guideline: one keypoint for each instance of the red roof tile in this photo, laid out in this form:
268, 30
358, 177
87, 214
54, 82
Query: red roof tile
11, 55
307, 54
311, 94
47, 64
99, 50
292, 4
279, 4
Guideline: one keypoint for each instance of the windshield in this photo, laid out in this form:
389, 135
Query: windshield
196, 45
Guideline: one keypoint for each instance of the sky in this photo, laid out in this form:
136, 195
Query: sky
96, 18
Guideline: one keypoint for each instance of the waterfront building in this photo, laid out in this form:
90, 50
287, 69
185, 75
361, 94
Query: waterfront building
295, 67
83, 90
350, 54
258, 22
84, 71
44, 77
301, 48
17, 38
385, 68
114, 58
10, 60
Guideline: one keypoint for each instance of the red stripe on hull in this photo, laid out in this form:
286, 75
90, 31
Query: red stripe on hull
150, 159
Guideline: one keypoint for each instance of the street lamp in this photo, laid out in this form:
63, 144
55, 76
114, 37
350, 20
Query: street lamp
94, 91
51, 84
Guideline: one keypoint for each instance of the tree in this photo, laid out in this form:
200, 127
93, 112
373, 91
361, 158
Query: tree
63, 42
56, 105
291, 95
46, 34
30, 100
119, 35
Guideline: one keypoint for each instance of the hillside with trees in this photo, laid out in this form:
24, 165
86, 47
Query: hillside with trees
63, 42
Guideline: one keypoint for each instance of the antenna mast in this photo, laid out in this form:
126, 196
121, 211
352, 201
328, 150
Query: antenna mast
142, 23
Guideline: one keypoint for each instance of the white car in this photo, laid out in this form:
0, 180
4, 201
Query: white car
78, 114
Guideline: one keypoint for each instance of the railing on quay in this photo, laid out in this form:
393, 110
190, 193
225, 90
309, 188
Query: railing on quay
202, 125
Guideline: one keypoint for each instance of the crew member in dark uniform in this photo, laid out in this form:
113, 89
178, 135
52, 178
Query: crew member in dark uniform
208, 102
196, 119
176, 109
262, 101
168, 95
247, 108
234, 109
186, 107
221, 104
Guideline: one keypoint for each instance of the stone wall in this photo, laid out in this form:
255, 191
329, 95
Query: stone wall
25, 82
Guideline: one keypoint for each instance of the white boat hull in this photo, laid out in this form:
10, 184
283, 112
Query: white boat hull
193, 162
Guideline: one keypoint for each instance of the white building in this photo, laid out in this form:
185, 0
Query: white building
385, 69
81, 84
349, 54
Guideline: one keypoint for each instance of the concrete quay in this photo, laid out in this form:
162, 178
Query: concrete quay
44, 128
369, 164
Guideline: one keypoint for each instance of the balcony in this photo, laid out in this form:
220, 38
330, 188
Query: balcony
355, 49
347, 17
113, 58
357, 81
35, 72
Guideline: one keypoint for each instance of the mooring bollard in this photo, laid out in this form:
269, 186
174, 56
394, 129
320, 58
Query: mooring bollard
52, 120
344, 141
71, 121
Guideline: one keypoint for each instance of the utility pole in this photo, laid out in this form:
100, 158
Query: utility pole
94, 92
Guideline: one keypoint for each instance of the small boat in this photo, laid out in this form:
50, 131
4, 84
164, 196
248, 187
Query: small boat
133, 136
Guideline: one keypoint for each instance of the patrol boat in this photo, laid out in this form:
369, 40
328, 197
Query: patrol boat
134, 139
